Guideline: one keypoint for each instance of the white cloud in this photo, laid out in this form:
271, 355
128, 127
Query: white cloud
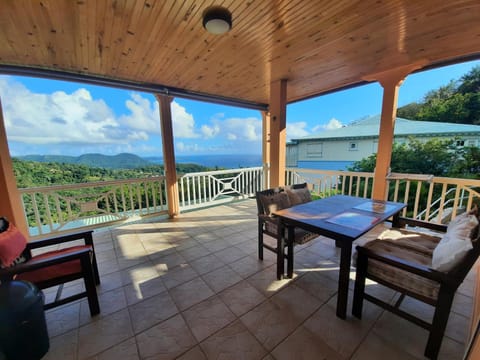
296, 130
145, 115
331, 125
183, 122
77, 122
241, 129
210, 131
60, 118
182, 147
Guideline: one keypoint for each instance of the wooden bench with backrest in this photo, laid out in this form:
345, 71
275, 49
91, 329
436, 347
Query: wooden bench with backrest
269, 201
423, 265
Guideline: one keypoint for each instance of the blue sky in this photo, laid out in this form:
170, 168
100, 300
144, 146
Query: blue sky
56, 117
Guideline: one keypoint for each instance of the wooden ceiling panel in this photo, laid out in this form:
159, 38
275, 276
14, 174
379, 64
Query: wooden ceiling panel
317, 45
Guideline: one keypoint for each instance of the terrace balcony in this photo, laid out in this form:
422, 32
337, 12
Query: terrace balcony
192, 287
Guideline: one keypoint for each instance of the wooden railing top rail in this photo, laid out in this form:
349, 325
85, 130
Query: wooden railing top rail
221, 172
411, 177
31, 190
330, 172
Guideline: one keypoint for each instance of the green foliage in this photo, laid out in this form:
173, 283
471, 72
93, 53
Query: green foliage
435, 157
456, 102
32, 173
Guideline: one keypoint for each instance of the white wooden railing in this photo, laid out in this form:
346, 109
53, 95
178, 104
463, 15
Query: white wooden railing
325, 183
433, 199
429, 198
62, 208
216, 187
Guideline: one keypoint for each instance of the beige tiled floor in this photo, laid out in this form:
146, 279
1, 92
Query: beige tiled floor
193, 288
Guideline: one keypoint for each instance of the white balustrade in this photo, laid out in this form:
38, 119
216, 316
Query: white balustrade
428, 198
215, 187
63, 208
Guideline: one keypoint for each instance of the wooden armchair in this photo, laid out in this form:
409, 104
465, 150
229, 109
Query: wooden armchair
270, 200
403, 260
51, 268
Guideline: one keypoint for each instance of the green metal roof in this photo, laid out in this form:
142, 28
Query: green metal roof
369, 128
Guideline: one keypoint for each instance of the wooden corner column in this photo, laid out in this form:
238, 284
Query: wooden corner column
11, 204
278, 132
390, 81
168, 154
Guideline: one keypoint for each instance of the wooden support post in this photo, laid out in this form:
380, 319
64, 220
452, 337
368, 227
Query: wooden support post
266, 148
278, 132
11, 203
169, 153
390, 81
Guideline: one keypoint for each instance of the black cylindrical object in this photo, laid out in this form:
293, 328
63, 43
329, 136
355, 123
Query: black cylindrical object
23, 329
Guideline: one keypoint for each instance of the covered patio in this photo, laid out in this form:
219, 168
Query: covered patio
193, 288
170, 277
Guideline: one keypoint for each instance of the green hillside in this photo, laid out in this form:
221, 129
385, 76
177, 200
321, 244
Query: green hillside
120, 161
35, 173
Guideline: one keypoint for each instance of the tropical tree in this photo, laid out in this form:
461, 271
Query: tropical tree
456, 102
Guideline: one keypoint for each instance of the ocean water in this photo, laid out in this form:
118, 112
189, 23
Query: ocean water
230, 161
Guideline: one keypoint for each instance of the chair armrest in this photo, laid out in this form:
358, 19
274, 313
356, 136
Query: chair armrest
267, 218
86, 235
35, 264
403, 221
414, 268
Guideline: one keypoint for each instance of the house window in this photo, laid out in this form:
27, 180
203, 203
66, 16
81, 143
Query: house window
460, 143
352, 146
315, 150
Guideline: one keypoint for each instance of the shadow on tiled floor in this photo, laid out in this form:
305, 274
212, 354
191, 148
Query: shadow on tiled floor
193, 288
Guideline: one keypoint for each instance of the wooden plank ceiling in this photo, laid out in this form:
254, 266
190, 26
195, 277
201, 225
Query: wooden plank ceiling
317, 45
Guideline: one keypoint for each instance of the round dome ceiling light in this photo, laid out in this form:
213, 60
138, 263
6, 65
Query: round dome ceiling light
217, 20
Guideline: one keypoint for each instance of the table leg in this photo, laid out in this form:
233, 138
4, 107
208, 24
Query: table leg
280, 251
290, 245
344, 279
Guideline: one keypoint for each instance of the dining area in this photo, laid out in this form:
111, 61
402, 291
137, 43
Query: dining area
422, 260
194, 288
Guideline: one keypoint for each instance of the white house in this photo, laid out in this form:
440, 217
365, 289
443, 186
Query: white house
338, 148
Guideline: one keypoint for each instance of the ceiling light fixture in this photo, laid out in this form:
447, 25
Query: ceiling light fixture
217, 20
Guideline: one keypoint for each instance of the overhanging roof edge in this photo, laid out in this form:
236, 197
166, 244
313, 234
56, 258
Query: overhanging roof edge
129, 85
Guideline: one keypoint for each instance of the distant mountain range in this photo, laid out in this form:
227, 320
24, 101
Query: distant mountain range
120, 161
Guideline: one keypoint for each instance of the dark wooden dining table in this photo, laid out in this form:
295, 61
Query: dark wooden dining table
341, 218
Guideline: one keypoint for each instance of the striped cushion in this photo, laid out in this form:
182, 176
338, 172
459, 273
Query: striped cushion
411, 252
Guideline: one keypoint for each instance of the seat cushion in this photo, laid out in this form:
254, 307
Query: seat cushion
403, 279
274, 202
298, 196
303, 236
54, 271
416, 241
12, 244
